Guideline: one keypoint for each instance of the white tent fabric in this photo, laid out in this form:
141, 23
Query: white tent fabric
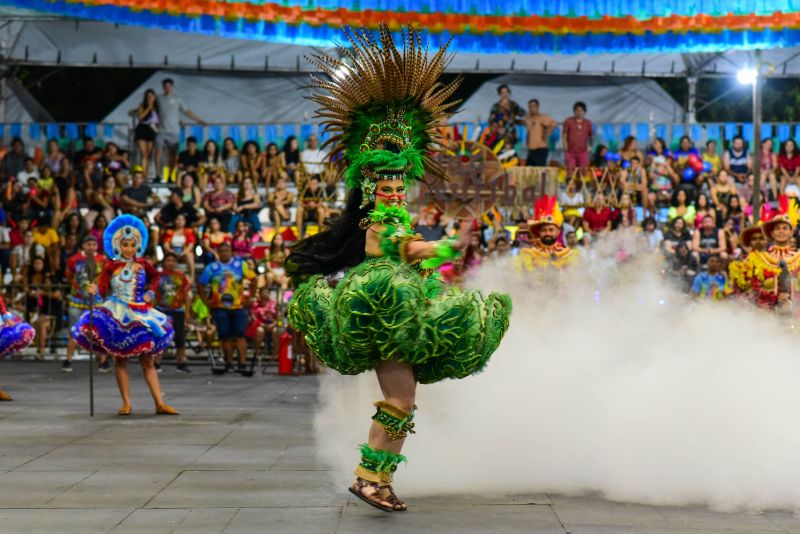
608, 99
245, 98
32, 40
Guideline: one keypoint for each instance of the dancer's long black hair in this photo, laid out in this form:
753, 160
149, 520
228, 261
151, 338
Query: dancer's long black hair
339, 246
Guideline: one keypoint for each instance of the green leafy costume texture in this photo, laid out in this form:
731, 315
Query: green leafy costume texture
386, 309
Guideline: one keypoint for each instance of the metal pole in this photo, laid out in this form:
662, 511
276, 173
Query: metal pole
757, 140
691, 107
91, 355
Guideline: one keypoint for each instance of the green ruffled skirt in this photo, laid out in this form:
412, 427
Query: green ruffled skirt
384, 309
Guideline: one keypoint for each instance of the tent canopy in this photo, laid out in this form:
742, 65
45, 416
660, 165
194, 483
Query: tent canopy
609, 100
66, 42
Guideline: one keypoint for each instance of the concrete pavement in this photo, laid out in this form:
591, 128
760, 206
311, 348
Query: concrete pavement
241, 459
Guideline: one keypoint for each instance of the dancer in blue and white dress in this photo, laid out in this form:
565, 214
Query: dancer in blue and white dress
126, 325
15, 335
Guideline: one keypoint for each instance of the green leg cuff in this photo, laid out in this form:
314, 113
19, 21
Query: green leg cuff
377, 465
396, 422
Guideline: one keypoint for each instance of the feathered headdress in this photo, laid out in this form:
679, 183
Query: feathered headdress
546, 211
124, 227
787, 213
382, 107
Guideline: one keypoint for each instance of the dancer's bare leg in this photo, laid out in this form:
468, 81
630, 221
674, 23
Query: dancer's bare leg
121, 372
151, 377
5, 396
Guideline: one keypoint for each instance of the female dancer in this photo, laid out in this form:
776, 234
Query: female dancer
126, 325
15, 335
385, 314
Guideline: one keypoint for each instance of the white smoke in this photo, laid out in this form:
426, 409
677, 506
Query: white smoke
616, 383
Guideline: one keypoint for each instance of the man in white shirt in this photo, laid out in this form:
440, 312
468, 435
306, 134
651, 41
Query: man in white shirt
170, 107
30, 171
313, 158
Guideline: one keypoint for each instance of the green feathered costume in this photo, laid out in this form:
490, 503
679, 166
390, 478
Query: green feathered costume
383, 109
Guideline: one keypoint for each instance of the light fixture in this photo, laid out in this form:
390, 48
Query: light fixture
747, 76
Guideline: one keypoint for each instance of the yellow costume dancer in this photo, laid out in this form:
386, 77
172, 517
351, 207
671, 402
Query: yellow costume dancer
545, 228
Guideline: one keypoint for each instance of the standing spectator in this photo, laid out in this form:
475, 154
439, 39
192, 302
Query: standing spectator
224, 279
429, 227
769, 168
712, 284
14, 160
311, 206
5, 249
98, 228
597, 217
737, 161
170, 107
506, 113
242, 248
280, 201
274, 164
181, 242
23, 253
789, 167
213, 237
291, 156
248, 206
139, 197
147, 128
90, 153
172, 298
189, 160
708, 241
220, 202
43, 302
54, 158
231, 161
252, 163
578, 138
711, 156
540, 127
313, 158
83, 268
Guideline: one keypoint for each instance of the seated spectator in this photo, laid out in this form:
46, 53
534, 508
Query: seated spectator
712, 156
312, 158
651, 234
108, 198
276, 273
67, 249
248, 206
90, 153
721, 192
280, 201
46, 236
429, 227
713, 283
53, 158
623, 216
166, 216
789, 167
181, 241
139, 197
599, 160
572, 200
73, 224
219, 203
43, 302
274, 164
190, 192
189, 160
98, 227
213, 237
571, 239
28, 171
291, 156
231, 163
683, 265
211, 163
14, 160
114, 160
263, 314
252, 161
5, 249
597, 217
737, 161
703, 207
18, 229
311, 206
630, 150
241, 244
41, 200
16, 200
682, 207
708, 241
23, 253
661, 175
735, 214
676, 235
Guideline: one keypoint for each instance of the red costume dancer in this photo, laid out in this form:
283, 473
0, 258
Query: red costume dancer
545, 229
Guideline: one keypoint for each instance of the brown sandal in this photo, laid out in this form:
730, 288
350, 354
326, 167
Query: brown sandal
381, 494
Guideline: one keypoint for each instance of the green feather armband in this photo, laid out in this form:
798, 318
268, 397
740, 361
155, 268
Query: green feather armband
445, 252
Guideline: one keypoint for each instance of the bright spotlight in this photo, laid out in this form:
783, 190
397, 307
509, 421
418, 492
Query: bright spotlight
747, 76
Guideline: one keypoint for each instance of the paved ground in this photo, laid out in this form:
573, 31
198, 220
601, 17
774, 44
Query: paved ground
241, 459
